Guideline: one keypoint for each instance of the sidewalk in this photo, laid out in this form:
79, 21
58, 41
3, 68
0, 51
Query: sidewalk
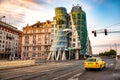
117, 70
117, 67
36, 63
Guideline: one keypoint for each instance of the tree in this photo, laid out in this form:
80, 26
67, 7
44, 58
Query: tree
108, 53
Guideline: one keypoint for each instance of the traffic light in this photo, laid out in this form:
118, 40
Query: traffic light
105, 30
94, 32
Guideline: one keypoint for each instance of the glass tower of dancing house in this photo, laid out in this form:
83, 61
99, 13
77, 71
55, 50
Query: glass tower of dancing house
72, 45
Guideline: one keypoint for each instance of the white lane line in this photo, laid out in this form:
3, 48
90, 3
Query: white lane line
66, 75
75, 77
111, 64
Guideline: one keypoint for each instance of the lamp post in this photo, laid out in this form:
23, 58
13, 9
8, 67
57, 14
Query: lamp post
116, 51
46, 55
2, 17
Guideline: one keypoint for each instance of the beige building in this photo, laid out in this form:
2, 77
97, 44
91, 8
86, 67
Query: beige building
36, 40
89, 48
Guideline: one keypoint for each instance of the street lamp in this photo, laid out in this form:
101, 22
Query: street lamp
116, 52
45, 55
2, 17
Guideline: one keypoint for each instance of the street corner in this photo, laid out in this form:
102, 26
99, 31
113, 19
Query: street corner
117, 67
116, 73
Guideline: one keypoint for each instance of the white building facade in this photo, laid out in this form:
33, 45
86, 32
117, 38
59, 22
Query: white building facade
8, 41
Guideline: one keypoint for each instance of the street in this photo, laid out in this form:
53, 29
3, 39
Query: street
66, 70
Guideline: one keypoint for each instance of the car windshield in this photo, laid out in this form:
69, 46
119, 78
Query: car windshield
91, 60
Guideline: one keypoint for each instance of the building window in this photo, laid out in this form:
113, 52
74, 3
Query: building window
46, 30
78, 22
0, 32
27, 48
70, 39
79, 16
78, 27
34, 31
74, 22
74, 39
26, 37
52, 26
39, 47
34, 41
0, 37
34, 48
52, 30
69, 44
83, 17
3, 46
34, 36
73, 44
74, 16
39, 39
39, 30
33, 55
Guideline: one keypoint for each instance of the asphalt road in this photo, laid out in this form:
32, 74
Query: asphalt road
105, 74
68, 70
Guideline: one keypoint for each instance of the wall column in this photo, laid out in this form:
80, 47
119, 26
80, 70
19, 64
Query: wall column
77, 55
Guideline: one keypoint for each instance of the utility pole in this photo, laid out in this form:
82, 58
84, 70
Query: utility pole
116, 51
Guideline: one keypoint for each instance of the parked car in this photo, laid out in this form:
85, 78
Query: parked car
94, 63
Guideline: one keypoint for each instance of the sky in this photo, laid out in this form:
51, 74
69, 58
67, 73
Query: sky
100, 14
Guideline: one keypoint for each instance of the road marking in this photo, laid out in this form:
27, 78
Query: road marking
109, 64
116, 74
75, 77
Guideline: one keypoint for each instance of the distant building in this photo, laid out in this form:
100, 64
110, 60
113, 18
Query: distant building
10, 47
36, 40
89, 48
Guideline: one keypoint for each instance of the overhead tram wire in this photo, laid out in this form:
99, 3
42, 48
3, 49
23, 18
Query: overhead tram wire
95, 32
113, 25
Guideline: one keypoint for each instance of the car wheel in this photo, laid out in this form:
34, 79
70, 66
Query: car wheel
86, 69
104, 66
100, 68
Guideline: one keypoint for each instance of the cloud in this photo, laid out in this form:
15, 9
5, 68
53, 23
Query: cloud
98, 1
14, 14
17, 10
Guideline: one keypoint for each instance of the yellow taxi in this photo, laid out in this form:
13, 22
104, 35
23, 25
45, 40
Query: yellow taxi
94, 62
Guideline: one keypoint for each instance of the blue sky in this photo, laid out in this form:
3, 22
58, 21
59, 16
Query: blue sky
100, 14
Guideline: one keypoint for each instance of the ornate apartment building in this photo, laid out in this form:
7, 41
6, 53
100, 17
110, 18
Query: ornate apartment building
36, 40
10, 41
